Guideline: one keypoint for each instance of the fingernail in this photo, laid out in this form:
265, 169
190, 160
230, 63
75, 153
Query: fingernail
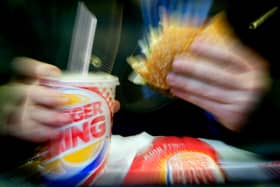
176, 59
198, 41
63, 98
49, 71
195, 44
172, 93
179, 59
56, 135
170, 77
57, 99
64, 119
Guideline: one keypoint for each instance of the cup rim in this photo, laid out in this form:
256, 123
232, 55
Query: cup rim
96, 77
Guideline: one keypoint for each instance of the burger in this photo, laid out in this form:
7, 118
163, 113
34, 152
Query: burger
170, 39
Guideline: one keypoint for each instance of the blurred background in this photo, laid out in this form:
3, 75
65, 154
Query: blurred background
43, 30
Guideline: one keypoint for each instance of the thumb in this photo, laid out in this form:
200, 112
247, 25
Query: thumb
32, 68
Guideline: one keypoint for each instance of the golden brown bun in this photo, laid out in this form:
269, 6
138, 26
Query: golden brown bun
175, 39
218, 30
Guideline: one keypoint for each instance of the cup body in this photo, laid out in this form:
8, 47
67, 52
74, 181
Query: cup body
78, 155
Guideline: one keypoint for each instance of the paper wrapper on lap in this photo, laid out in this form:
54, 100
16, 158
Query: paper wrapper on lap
145, 159
174, 39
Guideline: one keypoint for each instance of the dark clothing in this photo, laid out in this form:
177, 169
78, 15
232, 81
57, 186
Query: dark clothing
141, 111
262, 127
43, 30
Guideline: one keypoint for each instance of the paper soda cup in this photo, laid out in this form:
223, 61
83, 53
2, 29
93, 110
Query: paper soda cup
78, 155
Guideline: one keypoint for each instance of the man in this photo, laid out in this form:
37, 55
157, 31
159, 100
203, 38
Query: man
36, 35
248, 123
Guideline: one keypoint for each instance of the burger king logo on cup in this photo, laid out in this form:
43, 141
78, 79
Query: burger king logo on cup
79, 153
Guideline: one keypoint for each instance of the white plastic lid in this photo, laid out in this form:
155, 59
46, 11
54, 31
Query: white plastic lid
99, 77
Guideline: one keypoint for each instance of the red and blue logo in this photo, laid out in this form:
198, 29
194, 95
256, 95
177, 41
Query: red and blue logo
77, 156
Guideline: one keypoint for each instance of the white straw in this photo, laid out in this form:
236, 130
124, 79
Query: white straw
82, 40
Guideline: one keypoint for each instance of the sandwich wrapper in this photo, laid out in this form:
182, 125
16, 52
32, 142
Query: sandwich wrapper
146, 159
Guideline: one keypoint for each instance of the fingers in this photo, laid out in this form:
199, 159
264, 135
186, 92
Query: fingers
116, 106
10, 94
234, 54
34, 122
33, 114
46, 96
34, 132
28, 111
211, 92
38, 95
225, 80
230, 115
204, 70
20, 124
227, 55
38, 133
47, 116
37, 123
34, 69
